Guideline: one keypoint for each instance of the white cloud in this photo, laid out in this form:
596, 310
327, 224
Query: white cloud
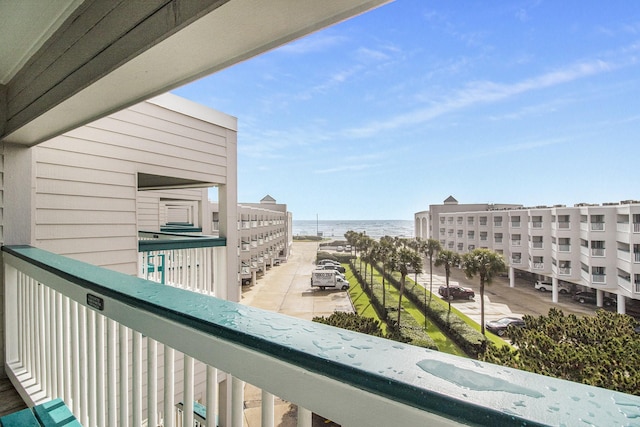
483, 92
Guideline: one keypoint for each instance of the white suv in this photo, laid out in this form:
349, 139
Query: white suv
548, 286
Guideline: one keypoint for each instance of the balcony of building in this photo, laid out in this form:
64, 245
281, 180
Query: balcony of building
180, 260
112, 346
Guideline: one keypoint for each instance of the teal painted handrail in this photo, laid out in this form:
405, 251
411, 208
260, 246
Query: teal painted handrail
464, 390
181, 242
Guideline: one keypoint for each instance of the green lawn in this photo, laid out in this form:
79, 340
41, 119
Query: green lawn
361, 302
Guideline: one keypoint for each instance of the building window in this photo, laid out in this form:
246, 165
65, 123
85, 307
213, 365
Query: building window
597, 222
515, 221
598, 274
597, 248
483, 220
497, 221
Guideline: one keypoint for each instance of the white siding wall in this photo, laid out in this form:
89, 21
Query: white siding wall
87, 196
148, 211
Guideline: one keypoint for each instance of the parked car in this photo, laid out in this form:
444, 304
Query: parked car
590, 297
340, 248
327, 261
542, 286
500, 326
456, 292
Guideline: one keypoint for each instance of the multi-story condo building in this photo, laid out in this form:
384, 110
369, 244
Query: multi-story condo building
87, 163
264, 236
589, 245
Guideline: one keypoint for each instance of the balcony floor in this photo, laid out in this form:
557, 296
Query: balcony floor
10, 400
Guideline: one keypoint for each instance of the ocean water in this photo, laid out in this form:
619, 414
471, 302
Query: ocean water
337, 228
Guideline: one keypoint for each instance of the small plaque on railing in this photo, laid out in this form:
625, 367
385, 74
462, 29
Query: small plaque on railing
95, 302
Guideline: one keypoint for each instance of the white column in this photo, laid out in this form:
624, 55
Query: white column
512, 277
554, 289
622, 301
228, 205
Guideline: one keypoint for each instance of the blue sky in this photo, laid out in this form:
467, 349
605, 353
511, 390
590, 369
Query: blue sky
532, 102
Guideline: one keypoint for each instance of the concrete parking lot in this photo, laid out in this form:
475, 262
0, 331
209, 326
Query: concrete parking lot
286, 289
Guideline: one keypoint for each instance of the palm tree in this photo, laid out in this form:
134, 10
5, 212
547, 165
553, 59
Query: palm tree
486, 264
448, 259
387, 250
373, 248
430, 248
404, 259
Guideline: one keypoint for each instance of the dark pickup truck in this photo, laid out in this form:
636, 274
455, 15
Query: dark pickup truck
456, 292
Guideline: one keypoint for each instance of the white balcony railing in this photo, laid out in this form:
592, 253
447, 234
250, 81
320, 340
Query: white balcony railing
564, 248
565, 271
538, 266
597, 226
179, 260
597, 252
598, 278
114, 346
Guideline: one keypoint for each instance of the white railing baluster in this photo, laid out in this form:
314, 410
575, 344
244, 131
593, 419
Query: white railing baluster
112, 407
42, 362
91, 362
169, 378
75, 365
52, 347
136, 369
31, 328
101, 392
304, 417
123, 369
46, 319
212, 396
59, 347
82, 364
237, 402
66, 348
267, 409
152, 382
188, 391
